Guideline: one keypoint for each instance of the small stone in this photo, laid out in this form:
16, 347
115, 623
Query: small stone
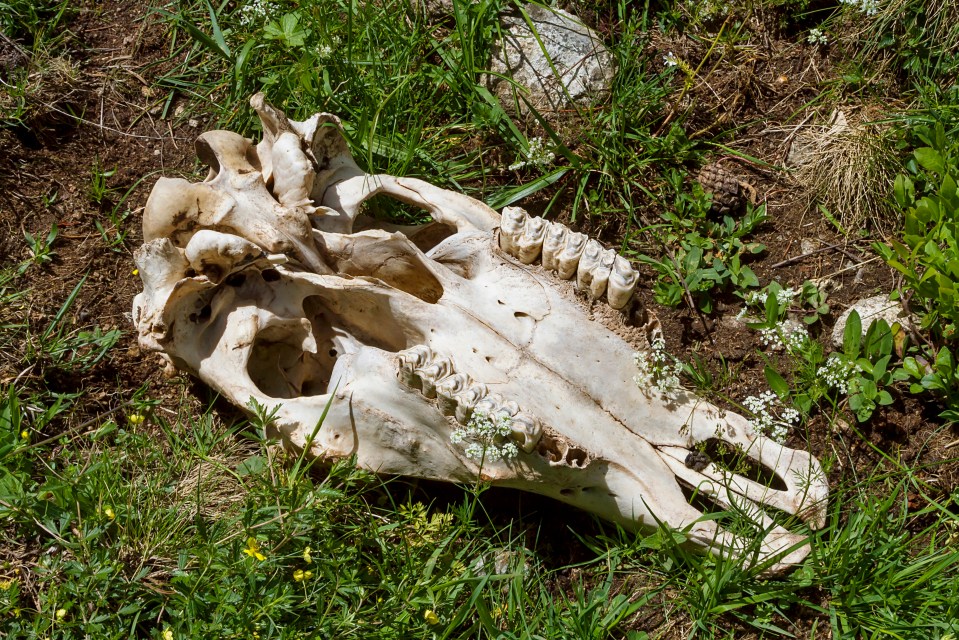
575, 51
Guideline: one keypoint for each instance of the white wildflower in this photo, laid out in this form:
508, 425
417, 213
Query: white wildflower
771, 417
787, 335
256, 11
785, 296
816, 36
657, 371
670, 60
487, 438
869, 7
837, 372
537, 155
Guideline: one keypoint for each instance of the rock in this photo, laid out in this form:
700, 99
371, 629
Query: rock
869, 309
584, 65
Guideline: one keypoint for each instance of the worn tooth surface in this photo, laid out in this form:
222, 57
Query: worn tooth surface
601, 274
410, 361
622, 283
531, 242
448, 389
568, 259
432, 373
512, 225
553, 242
466, 401
488, 405
588, 263
526, 431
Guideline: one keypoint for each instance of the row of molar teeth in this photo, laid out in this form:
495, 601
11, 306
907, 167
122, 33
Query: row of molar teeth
568, 253
460, 396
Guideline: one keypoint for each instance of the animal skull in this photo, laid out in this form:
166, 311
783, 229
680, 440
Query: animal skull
439, 351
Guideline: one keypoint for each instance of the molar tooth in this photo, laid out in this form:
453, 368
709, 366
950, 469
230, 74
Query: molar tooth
601, 273
466, 401
512, 224
433, 373
526, 431
449, 388
622, 283
531, 242
410, 361
488, 404
588, 263
568, 259
553, 242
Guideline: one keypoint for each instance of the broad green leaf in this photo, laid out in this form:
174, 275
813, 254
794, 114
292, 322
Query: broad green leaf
776, 382
930, 159
852, 336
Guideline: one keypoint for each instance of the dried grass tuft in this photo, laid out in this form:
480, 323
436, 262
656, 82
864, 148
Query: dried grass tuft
849, 167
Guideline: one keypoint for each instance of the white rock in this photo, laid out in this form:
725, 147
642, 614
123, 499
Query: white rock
577, 54
869, 309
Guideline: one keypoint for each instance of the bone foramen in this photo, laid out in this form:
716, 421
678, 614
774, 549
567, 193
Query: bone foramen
267, 282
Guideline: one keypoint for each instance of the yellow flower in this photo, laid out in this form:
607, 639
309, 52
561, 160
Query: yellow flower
136, 418
253, 549
168, 634
136, 272
108, 512
5, 585
61, 614
25, 434
299, 575
431, 617
307, 558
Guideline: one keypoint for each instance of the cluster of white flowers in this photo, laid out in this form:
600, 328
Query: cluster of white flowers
783, 297
658, 371
785, 335
869, 7
772, 418
816, 36
256, 11
486, 438
538, 155
670, 60
837, 372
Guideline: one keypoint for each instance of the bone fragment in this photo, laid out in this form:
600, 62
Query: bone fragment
216, 255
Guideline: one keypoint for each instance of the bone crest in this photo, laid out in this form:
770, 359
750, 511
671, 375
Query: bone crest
459, 396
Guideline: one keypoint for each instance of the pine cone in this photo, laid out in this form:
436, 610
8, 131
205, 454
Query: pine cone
725, 187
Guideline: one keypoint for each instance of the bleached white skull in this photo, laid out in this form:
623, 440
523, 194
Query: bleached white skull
480, 346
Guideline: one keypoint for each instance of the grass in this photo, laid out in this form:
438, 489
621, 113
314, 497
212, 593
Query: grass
164, 516
148, 520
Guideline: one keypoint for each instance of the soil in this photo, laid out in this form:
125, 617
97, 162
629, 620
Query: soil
107, 112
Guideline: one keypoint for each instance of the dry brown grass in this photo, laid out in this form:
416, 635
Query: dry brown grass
848, 165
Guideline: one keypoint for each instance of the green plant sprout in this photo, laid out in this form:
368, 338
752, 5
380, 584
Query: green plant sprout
41, 248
